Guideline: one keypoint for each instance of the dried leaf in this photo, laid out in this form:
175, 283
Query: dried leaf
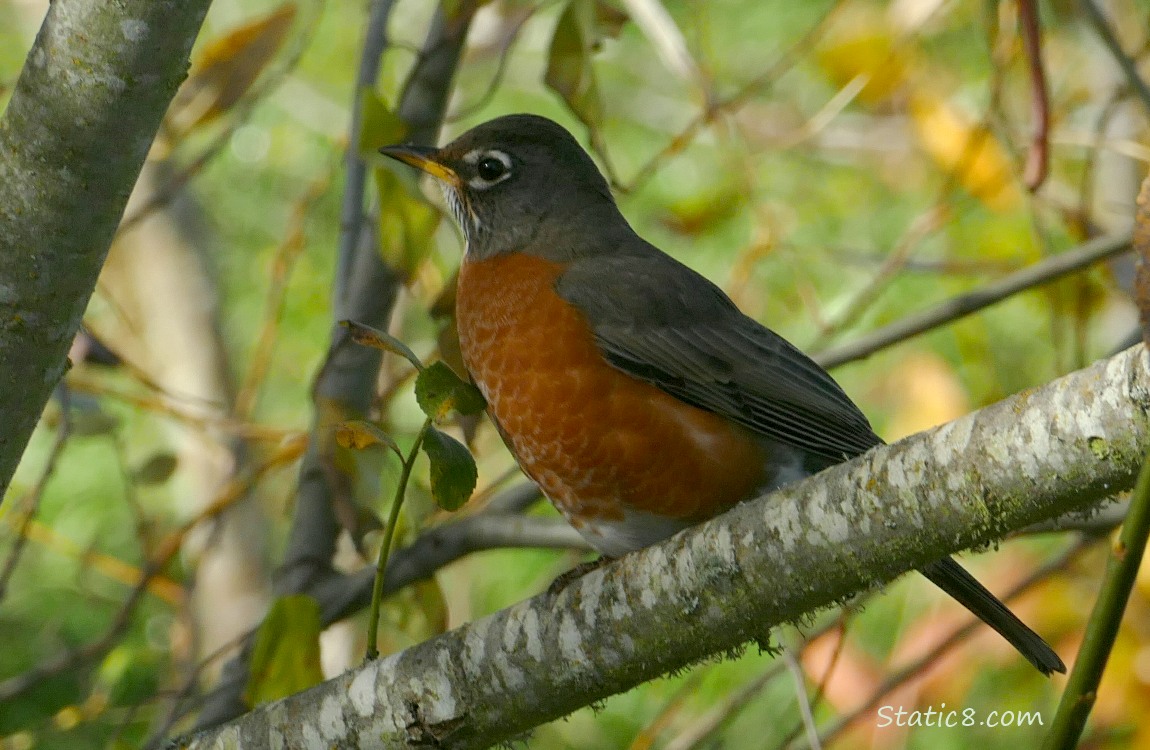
360, 434
453, 472
377, 339
226, 69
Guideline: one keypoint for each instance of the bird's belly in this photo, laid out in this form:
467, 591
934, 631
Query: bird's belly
625, 462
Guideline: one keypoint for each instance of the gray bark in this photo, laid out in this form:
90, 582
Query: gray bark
1033, 456
72, 141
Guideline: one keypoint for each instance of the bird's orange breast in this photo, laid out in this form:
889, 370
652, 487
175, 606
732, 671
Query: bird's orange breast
598, 441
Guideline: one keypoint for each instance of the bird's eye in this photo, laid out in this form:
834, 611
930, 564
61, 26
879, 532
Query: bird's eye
490, 168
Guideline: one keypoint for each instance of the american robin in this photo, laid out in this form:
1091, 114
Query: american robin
629, 387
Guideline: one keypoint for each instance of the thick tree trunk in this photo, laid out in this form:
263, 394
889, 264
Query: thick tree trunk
72, 141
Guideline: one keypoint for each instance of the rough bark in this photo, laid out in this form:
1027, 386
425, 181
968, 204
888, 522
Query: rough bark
1033, 456
72, 141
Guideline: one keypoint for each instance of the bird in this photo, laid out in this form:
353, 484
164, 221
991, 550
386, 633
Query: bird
628, 386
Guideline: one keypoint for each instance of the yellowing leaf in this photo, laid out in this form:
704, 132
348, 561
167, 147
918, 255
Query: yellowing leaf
360, 434
865, 43
453, 472
569, 70
285, 658
226, 68
407, 222
968, 152
440, 391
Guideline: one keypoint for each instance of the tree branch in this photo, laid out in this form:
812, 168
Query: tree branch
716, 586
72, 141
1036, 274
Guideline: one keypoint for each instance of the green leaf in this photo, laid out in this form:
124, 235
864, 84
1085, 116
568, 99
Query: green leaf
379, 125
407, 221
453, 472
569, 70
377, 339
440, 391
285, 658
157, 469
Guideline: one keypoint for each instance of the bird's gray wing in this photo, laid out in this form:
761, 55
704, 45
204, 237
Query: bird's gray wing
659, 321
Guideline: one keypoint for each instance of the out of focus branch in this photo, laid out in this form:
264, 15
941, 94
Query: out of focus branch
365, 291
1106, 34
1035, 275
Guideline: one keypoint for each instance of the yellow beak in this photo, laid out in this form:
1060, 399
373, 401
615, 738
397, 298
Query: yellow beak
423, 157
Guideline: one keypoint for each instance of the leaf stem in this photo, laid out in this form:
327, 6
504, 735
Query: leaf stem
385, 548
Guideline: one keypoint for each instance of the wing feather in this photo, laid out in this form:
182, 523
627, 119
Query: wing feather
659, 321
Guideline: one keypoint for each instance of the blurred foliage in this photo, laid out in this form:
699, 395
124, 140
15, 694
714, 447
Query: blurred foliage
841, 138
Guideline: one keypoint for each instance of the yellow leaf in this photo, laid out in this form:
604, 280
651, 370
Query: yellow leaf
965, 150
359, 434
866, 44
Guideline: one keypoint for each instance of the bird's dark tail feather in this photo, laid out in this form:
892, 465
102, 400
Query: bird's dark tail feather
952, 578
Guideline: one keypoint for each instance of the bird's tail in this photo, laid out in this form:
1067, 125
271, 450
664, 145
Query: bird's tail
952, 578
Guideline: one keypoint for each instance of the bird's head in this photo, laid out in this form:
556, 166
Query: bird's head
517, 182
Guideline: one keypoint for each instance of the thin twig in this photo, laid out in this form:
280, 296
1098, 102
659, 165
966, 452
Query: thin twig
1102, 27
801, 696
283, 263
1032, 276
710, 722
385, 547
31, 503
351, 213
920, 229
785, 62
166, 551
241, 114
645, 739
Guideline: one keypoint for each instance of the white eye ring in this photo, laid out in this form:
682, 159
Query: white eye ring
492, 166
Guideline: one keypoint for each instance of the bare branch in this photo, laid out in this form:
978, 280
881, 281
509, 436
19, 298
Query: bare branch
1032, 276
1102, 27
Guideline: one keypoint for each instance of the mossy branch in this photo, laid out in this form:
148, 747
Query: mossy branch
1037, 455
